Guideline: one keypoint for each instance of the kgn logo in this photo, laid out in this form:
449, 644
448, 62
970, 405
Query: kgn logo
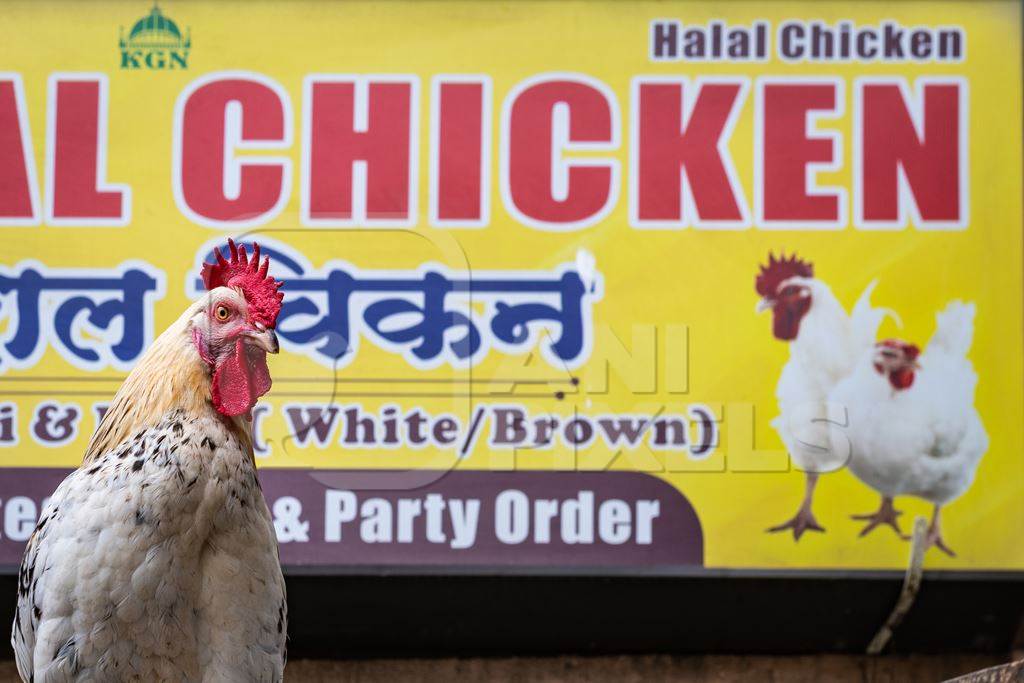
155, 42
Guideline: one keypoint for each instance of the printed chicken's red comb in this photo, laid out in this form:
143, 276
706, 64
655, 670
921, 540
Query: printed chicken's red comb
779, 270
250, 276
911, 351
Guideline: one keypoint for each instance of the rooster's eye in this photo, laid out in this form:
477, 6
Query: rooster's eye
222, 313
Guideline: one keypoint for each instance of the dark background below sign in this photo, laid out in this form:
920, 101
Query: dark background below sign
379, 613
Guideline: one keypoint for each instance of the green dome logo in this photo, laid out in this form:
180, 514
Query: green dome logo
155, 42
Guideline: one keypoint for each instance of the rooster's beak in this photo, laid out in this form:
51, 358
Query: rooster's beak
266, 339
764, 305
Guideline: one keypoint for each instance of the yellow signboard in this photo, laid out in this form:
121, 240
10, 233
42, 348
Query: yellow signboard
604, 284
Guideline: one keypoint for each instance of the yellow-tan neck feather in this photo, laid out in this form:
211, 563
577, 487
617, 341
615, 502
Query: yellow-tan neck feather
170, 375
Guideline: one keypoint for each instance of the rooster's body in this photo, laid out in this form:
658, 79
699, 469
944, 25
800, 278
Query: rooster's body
913, 427
156, 560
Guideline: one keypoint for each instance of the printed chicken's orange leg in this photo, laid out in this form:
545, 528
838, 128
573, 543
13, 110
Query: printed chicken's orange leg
886, 514
804, 519
934, 537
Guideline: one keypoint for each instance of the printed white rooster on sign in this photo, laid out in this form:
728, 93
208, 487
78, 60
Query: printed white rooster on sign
825, 344
912, 425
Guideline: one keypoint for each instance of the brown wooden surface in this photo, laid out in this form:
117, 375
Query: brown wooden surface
648, 669
997, 674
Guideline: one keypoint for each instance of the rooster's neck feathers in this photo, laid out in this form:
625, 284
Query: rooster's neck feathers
170, 375
825, 316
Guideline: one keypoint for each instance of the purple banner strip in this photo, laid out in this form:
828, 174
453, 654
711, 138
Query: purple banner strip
458, 518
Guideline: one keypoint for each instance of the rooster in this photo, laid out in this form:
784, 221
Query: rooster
825, 343
913, 427
156, 559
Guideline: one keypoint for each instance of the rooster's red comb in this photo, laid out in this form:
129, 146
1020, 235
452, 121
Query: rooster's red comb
911, 351
250, 276
779, 270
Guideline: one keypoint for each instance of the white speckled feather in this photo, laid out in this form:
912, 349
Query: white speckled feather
156, 561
